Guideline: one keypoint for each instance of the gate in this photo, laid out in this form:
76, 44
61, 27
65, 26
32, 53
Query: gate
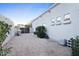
24, 30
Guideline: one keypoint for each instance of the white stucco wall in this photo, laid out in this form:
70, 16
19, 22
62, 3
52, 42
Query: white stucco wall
10, 36
63, 31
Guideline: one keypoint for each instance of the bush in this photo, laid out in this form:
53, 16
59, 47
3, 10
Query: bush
4, 28
35, 33
41, 31
4, 51
75, 46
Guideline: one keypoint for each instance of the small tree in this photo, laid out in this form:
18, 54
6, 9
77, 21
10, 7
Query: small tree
41, 31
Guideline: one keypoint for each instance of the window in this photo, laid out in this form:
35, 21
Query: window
67, 19
58, 20
44, 25
53, 22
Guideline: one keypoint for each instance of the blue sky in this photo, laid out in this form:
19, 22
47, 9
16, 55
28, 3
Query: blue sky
22, 13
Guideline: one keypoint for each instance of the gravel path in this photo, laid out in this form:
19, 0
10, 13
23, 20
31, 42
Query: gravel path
30, 45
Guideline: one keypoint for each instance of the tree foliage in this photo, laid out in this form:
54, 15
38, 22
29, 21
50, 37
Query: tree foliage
4, 28
41, 32
75, 46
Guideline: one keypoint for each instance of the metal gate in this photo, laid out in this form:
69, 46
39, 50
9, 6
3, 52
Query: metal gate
24, 30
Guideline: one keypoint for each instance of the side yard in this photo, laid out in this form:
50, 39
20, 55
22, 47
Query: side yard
31, 45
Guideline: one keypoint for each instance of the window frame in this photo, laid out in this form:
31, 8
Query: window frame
58, 22
67, 20
53, 22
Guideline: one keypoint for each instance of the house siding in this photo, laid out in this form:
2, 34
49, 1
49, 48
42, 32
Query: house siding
63, 31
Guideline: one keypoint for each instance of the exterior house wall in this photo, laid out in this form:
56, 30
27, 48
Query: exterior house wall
12, 33
63, 31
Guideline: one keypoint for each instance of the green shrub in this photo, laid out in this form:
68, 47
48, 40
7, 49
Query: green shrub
35, 33
4, 28
75, 46
41, 31
4, 51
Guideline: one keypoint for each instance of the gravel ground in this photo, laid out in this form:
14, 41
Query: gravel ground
30, 45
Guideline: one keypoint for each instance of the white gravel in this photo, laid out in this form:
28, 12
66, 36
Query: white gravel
31, 45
